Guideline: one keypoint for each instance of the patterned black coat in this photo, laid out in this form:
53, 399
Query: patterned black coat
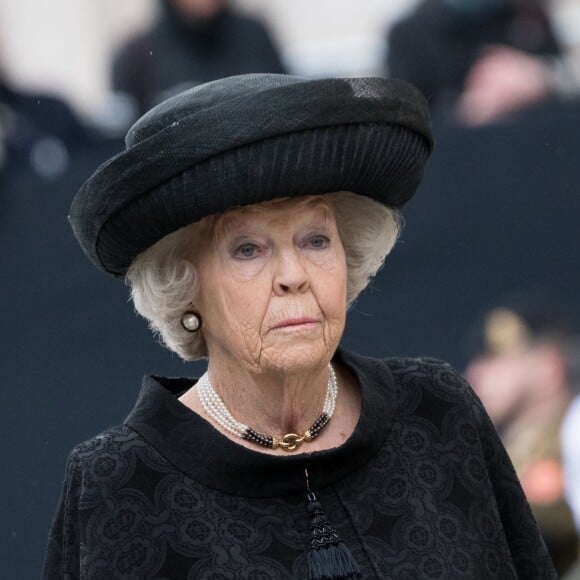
422, 489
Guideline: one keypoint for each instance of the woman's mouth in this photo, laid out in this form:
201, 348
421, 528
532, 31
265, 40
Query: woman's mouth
296, 322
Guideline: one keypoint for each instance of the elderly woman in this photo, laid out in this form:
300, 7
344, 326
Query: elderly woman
247, 215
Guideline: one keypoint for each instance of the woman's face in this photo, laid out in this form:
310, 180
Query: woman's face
272, 291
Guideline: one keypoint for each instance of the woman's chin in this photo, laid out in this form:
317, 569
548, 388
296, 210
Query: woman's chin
298, 356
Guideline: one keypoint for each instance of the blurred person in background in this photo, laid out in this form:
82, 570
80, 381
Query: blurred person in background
571, 452
523, 374
193, 42
478, 61
37, 131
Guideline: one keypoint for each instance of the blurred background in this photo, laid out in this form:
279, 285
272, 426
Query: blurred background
486, 275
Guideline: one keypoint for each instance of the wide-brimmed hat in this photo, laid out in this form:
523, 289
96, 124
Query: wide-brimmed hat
248, 139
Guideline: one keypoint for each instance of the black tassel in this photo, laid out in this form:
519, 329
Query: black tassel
328, 556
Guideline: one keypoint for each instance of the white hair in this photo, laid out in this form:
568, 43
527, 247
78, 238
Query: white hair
164, 281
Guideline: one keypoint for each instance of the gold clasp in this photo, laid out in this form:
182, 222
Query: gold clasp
291, 441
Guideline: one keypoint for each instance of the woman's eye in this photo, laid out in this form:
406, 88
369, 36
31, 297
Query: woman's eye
319, 242
246, 251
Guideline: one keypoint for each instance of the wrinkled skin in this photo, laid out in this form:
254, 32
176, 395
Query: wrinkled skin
266, 265
272, 297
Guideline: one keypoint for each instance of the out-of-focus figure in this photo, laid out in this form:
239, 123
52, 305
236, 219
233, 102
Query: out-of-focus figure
194, 41
479, 60
38, 132
571, 457
523, 374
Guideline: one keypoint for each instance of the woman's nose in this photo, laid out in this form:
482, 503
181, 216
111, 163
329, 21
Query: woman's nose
290, 274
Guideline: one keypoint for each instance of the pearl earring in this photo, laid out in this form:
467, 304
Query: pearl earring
191, 321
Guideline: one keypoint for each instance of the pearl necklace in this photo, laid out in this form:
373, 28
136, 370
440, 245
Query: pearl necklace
216, 409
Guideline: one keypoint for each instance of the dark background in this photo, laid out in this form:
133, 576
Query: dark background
498, 212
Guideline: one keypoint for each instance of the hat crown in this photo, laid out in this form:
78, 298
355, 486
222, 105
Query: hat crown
335, 92
201, 98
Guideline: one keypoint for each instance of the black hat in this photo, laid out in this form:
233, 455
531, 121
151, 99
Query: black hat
244, 140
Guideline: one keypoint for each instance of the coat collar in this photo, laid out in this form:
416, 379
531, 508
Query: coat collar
201, 452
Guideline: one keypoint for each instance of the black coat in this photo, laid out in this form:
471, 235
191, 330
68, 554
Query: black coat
422, 489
